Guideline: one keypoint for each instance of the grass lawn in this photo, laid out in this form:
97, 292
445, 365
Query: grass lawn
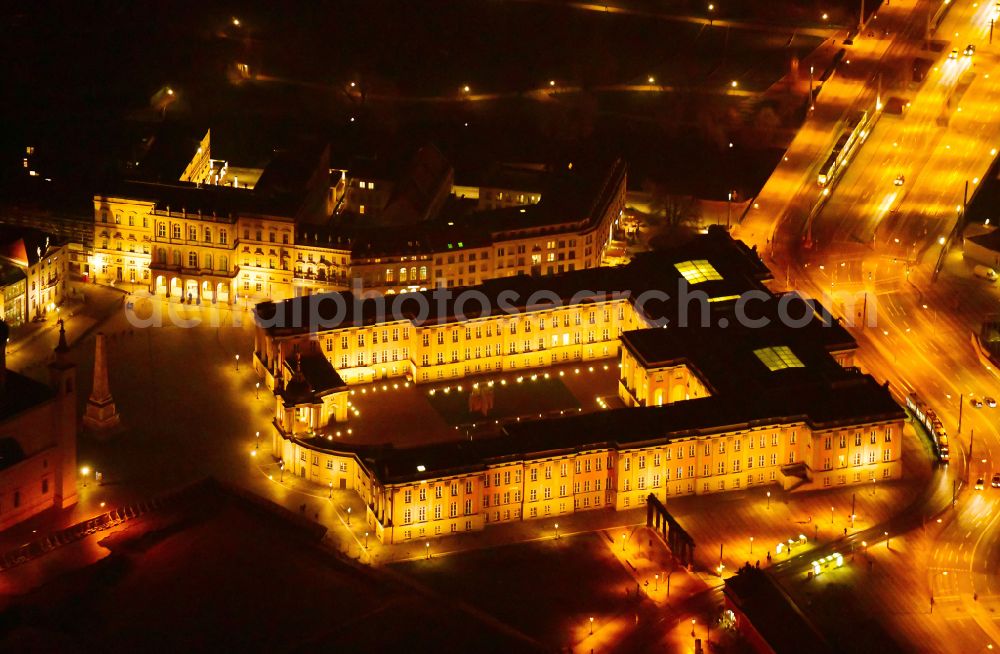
543, 589
527, 398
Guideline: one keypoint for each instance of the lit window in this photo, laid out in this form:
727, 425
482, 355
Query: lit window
778, 358
698, 271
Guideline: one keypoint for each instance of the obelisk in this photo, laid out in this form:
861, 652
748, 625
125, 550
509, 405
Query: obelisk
101, 414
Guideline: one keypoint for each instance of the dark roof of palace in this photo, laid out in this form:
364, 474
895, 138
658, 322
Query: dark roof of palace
224, 202
741, 270
724, 358
320, 375
853, 399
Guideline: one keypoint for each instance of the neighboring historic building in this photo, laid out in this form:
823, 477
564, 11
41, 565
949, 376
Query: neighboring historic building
37, 438
724, 393
42, 263
204, 240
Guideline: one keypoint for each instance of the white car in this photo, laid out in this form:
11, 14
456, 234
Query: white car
900, 180
976, 403
990, 402
953, 54
969, 50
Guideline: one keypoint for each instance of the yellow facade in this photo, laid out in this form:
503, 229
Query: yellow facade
551, 486
430, 353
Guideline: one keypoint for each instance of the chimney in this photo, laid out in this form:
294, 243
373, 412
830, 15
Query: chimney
4, 334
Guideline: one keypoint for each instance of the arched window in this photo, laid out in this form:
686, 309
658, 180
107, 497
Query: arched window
413, 273
161, 255
423, 273
223, 262
388, 275
402, 274
208, 262
177, 257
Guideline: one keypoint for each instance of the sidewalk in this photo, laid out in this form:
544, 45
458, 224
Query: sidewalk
31, 344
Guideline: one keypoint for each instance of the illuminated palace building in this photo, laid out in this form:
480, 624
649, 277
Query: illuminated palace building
707, 409
298, 226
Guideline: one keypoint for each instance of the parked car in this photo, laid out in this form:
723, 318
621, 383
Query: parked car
976, 403
985, 272
969, 50
953, 54
996, 480
980, 483
990, 402
900, 180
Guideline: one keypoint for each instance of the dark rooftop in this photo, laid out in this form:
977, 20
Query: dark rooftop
854, 399
740, 268
989, 240
20, 393
725, 357
24, 245
198, 573
320, 375
225, 202
773, 614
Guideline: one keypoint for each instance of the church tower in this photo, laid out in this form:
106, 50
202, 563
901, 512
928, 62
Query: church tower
62, 378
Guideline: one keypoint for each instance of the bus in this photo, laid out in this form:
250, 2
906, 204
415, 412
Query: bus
930, 421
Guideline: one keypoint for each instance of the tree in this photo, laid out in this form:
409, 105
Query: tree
677, 211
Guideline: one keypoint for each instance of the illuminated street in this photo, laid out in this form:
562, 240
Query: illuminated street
880, 241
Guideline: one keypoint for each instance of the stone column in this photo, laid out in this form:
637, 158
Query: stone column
101, 414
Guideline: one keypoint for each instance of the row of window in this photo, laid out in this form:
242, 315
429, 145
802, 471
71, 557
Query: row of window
872, 439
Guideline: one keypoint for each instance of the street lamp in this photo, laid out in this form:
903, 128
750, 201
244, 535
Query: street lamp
623, 542
349, 514
427, 548
557, 531
864, 544
258, 390
281, 466
886, 534
831, 515
734, 84
651, 79
656, 581
591, 625
768, 499
466, 89
692, 627
237, 363
330, 496
366, 540
257, 446
751, 544
85, 472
